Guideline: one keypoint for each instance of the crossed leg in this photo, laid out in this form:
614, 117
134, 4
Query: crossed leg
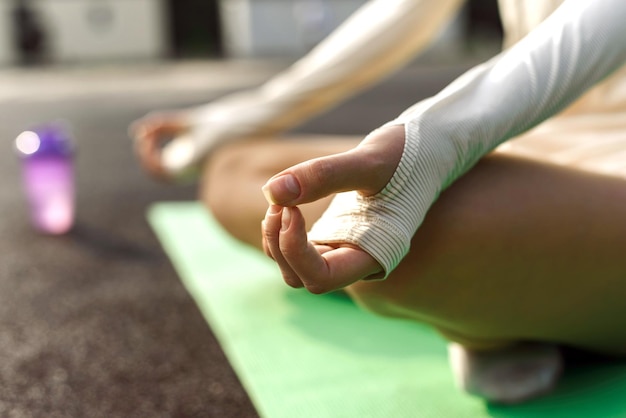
516, 250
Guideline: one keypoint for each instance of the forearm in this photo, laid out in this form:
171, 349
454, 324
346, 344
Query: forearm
581, 43
576, 47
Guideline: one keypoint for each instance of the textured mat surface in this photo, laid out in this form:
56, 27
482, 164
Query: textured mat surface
300, 355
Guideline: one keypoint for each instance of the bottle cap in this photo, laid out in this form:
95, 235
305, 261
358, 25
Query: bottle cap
45, 140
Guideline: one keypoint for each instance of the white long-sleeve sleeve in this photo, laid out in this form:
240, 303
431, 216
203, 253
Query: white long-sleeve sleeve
377, 39
577, 46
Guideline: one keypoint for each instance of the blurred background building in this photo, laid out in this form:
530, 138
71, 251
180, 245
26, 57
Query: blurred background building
73, 31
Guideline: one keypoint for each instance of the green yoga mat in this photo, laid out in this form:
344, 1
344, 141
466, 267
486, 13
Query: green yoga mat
300, 355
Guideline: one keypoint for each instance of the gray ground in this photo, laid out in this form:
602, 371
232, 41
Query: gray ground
96, 323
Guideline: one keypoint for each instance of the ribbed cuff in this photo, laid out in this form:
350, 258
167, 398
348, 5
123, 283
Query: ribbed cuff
351, 219
384, 224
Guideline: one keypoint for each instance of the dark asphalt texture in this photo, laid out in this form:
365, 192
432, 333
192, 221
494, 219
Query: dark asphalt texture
96, 323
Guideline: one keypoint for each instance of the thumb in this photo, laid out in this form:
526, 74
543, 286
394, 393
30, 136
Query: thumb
318, 178
366, 169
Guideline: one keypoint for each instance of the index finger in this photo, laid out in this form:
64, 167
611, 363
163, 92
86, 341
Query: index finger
321, 269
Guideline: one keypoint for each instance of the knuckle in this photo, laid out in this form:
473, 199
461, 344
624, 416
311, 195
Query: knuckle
269, 238
288, 252
292, 248
316, 290
266, 249
291, 282
316, 287
320, 170
270, 247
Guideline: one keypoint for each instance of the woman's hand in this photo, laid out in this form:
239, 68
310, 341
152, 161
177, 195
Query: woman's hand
319, 268
150, 133
323, 268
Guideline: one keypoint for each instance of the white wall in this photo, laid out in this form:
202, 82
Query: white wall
87, 30
260, 28
257, 28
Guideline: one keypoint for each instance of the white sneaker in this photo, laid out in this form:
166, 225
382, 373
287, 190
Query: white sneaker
511, 375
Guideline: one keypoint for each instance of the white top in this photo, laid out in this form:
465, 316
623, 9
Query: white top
574, 48
379, 38
552, 59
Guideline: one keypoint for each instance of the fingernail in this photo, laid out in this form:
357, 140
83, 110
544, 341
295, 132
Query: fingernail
274, 209
286, 219
281, 189
268, 196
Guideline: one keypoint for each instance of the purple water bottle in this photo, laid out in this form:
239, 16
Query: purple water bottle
47, 155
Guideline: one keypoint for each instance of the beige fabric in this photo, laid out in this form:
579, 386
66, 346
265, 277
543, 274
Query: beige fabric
519, 17
591, 133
